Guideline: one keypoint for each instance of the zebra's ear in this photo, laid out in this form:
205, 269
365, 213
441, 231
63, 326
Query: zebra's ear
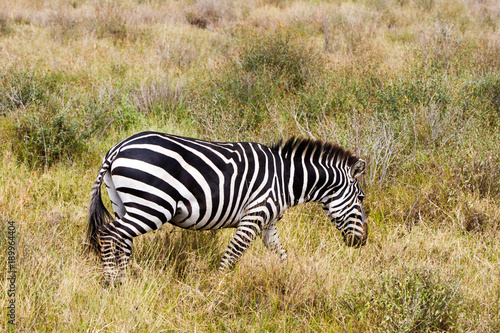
358, 168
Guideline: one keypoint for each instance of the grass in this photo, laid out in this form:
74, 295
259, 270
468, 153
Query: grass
417, 99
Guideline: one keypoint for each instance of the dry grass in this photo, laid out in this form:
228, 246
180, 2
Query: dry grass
418, 99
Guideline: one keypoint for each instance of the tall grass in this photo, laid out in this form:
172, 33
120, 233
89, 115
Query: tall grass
417, 99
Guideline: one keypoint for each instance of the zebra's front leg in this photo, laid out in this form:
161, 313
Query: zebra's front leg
272, 242
246, 232
115, 253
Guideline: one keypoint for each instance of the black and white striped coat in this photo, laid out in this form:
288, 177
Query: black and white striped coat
154, 178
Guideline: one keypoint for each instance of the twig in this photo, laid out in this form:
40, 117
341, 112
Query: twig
301, 128
45, 150
303, 321
91, 150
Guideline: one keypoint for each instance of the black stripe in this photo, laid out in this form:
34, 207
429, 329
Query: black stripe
149, 197
148, 210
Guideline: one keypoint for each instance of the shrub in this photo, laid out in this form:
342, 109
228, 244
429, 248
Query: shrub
275, 65
113, 21
476, 170
281, 58
415, 300
207, 12
158, 97
36, 104
44, 138
21, 88
51, 121
485, 93
5, 25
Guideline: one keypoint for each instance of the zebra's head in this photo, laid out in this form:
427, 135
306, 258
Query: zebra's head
345, 206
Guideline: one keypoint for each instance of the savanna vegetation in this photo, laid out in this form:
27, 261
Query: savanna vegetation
412, 86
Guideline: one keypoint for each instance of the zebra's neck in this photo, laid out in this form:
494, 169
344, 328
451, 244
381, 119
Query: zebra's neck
308, 175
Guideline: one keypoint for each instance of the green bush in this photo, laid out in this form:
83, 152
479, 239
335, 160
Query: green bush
485, 94
51, 121
36, 104
281, 59
5, 25
273, 66
21, 88
415, 300
475, 168
44, 138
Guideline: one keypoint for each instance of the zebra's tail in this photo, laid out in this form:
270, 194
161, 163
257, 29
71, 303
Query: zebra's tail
98, 214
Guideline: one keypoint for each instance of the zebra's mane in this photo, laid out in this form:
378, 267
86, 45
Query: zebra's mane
332, 151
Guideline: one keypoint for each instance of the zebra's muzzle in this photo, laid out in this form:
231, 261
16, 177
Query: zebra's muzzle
354, 239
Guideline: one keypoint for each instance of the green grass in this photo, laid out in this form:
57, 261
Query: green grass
417, 99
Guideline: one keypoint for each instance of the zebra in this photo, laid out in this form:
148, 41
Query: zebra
153, 178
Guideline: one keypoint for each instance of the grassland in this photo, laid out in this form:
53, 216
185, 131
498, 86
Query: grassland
412, 86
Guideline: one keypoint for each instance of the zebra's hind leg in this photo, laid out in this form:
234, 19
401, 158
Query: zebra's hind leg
116, 249
272, 242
